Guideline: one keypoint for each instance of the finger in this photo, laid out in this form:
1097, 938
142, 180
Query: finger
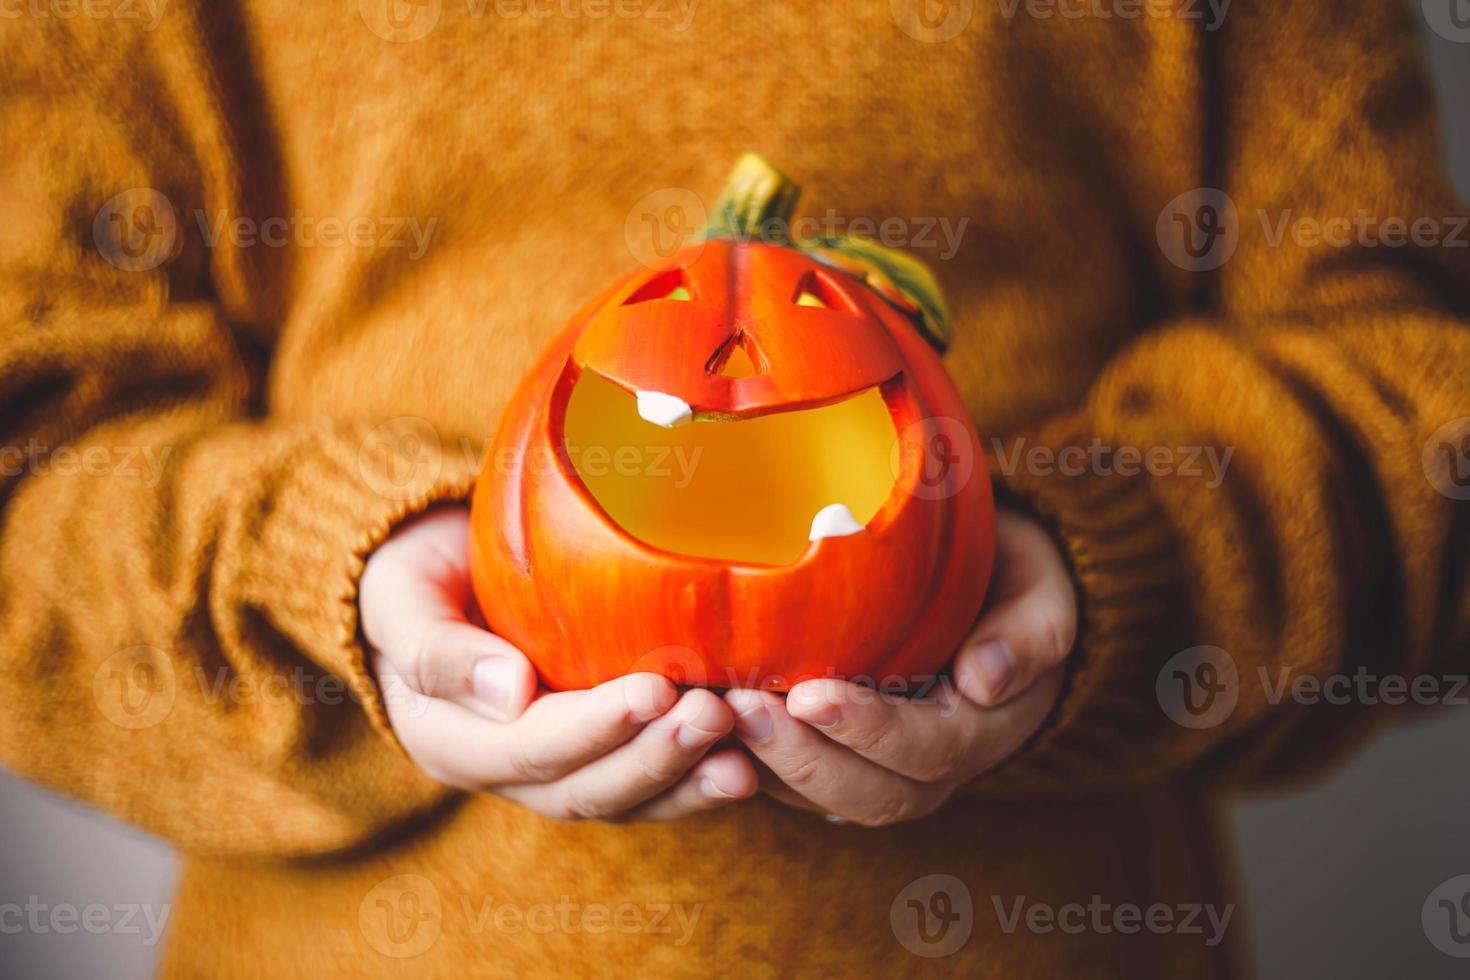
651, 762
831, 776
944, 738
771, 785
426, 561
475, 669
425, 725
926, 740
564, 731
414, 594
723, 777
1030, 620
556, 734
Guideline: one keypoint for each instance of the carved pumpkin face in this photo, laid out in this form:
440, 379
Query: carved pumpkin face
743, 469
768, 371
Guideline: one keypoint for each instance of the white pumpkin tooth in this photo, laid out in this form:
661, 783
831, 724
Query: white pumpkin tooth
833, 521
661, 409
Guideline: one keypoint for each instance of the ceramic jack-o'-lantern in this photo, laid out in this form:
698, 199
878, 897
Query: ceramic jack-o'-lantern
743, 468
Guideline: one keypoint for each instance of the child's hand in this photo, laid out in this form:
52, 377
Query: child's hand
465, 705
833, 747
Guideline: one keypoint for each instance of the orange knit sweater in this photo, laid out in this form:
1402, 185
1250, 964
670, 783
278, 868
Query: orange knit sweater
269, 270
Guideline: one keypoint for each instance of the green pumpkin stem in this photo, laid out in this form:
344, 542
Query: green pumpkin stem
756, 204
911, 276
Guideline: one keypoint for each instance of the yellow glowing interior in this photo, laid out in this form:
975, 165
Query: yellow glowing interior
740, 490
738, 364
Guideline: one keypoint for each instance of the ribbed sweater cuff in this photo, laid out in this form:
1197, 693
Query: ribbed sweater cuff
1132, 614
335, 503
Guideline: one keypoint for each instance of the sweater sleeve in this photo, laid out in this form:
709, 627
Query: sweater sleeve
1267, 492
178, 571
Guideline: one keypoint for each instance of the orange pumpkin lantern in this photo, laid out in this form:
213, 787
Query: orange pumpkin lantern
743, 468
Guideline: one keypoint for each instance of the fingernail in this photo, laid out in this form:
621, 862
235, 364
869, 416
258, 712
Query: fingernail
825, 716
648, 696
996, 666
690, 737
708, 788
755, 724
493, 679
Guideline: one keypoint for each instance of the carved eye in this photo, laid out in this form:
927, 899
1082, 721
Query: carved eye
815, 290
665, 285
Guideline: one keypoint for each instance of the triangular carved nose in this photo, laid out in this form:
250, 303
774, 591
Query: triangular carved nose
732, 360
738, 364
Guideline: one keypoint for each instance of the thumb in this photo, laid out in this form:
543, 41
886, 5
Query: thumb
412, 598
1030, 620
456, 661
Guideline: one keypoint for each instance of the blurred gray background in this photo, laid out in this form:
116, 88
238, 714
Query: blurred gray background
1334, 875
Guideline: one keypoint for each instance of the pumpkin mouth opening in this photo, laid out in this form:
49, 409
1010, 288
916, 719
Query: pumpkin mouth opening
760, 489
